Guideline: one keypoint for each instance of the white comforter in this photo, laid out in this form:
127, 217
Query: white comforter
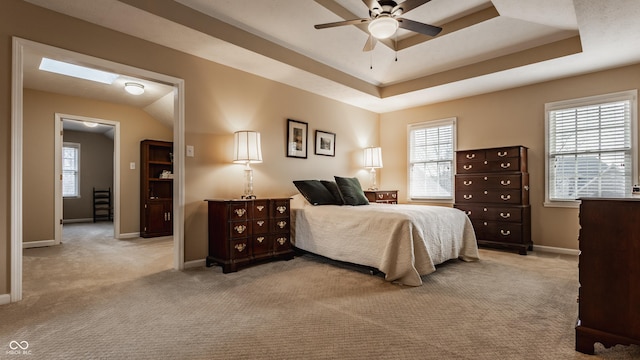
402, 241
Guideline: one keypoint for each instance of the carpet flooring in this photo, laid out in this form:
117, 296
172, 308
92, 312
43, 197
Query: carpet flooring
98, 298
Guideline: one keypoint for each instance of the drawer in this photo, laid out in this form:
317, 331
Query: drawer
282, 243
493, 213
238, 211
498, 231
506, 196
260, 209
386, 196
260, 226
497, 181
240, 250
504, 153
280, 225
262, 245
470, 155
280, 208
239, 229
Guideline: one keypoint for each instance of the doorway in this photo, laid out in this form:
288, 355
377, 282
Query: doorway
20, 46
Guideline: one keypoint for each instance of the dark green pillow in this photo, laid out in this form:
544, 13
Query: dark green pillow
314, 192
333, 189
351, 191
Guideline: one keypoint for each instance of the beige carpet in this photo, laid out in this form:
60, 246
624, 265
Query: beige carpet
101, 298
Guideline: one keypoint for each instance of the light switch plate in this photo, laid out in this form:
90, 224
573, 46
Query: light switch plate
190, 150
132, 165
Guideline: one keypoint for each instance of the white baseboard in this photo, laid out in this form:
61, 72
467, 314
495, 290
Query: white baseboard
556, 250
5, 299
73, 221
195, 263
129, 235
39, 243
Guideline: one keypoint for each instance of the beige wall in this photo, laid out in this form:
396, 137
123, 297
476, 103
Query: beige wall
96, 171
510, 117
38, 151
218, 101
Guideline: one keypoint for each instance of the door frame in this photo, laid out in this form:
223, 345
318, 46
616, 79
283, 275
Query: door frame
18, 46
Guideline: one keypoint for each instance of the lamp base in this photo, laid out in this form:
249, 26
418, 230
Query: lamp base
248, 197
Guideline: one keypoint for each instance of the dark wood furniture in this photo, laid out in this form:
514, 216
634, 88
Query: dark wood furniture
156, 188
492, 188
382, 196
243, 232
609, 268
102, 205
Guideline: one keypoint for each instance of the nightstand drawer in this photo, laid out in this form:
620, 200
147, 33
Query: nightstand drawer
382, 196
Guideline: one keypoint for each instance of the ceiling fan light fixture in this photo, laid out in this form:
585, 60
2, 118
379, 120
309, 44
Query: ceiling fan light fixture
383, 27
134, 88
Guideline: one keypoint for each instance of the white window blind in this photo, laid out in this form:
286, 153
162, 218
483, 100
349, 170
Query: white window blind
71, 170
431, 153
590, 148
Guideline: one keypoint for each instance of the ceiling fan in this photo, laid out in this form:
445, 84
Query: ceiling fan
385, 19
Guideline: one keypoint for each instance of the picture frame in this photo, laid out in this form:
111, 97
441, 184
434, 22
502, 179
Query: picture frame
297, 134
325, 143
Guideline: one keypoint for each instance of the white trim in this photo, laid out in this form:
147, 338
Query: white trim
39, 243
556, 250
129, 236
5, 299
74, 221
18, 46
195, 263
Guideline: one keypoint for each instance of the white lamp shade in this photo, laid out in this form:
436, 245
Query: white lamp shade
373, 157
246, 147
383, 27
134, 88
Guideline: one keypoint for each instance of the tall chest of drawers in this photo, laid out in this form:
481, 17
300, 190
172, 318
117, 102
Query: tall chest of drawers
492, 188
243, 232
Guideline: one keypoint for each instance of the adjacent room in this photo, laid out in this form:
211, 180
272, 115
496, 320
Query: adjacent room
320, 179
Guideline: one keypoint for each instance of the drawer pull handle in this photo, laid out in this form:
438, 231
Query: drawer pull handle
471, 156
281, 240
380, 196
467, 182
282, 224
260, 239
467, 167
281, 209
502, 153
393, 195
240, 228
505, 232
468, 212
240, 212
505, 182
467, 197
240, 247
505, 216
260, 223
505, 197
260, 207
505, 166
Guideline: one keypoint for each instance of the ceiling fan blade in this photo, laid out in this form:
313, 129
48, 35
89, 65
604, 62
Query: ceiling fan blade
371, 43
409, 5
419, 27
342, 23
372, 4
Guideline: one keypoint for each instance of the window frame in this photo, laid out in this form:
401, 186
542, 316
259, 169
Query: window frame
76, 146
452, 121
629, 95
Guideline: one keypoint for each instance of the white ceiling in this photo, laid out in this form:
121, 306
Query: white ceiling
485, 45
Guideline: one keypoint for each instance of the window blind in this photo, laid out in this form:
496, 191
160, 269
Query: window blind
431, 160
70, 170
590, 151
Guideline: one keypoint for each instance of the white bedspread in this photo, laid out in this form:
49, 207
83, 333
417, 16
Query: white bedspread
402, 241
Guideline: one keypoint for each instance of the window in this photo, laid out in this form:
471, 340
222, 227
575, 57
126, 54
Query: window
431, 155
71, 170
590, 147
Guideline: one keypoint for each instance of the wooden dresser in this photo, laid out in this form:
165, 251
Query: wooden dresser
609, 273
243, 232
382, 196
492, 188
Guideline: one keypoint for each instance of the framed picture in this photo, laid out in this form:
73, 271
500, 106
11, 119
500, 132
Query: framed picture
325, 143
297, 138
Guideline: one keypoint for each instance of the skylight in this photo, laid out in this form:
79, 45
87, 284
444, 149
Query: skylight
77, 71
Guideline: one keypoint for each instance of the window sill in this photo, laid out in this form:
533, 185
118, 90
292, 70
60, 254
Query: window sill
563, 204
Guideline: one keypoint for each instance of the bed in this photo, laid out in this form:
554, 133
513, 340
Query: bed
402, 241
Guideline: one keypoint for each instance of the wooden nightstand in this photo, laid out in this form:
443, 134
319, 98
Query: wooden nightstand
243, 232
382, 196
